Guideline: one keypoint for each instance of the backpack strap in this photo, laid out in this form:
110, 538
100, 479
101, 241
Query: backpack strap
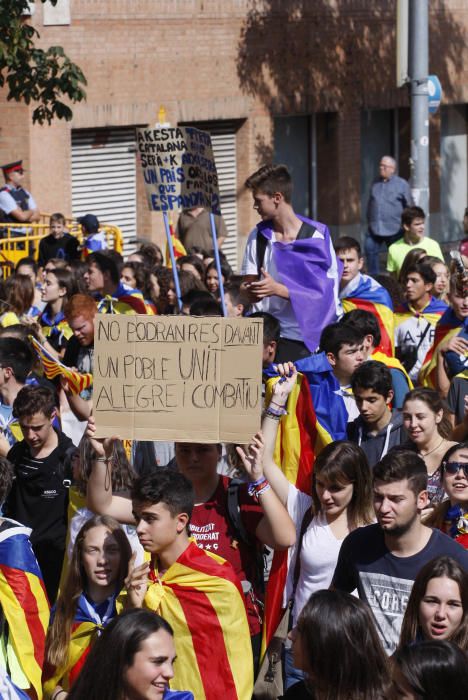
262, 243
234, 512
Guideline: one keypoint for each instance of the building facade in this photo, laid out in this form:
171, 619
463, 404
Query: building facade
311, 84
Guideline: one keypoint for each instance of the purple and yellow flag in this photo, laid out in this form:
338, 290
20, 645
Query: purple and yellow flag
369, 295
24, 603
202, 599
54, 368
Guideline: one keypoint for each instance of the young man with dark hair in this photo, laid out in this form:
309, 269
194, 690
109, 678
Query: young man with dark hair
412, 220
271, 336
235, 298
197, 592
378, 428
16, 361
103, 281
39, 497
382, 560
289, 267
416, 319
366, 323
359, 291
343, 346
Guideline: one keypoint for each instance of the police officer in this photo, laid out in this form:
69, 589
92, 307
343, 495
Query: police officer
16, 203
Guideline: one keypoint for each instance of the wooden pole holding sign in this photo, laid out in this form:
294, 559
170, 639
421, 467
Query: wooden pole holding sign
217, 262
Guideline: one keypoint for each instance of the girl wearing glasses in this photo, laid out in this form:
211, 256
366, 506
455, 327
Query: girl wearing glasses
451, 516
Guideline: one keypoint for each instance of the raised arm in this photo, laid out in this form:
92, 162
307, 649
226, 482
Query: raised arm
275, 529
279, 398
99, 497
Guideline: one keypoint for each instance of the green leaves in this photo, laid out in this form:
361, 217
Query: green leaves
32, 74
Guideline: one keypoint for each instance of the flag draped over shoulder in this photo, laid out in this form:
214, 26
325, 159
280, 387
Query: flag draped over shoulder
125, 300
201, 598
308, 267
447, 327
431, 313
370, 296
84, 632
24, 603
316, 416
391, 363
54, 368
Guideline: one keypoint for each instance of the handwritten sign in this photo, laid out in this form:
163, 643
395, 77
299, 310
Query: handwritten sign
178, 168
177, 378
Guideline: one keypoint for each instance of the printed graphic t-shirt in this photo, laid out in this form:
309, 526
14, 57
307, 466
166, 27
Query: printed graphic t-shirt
212, 530
384, 580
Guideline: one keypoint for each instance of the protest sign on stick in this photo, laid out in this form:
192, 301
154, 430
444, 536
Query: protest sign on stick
178, 169
177, 378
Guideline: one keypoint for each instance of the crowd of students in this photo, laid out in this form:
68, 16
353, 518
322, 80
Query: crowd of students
143, 570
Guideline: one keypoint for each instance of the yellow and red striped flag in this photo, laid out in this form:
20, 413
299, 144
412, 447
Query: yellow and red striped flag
448, 327
202, 599
54, 368
23, 600
179, 250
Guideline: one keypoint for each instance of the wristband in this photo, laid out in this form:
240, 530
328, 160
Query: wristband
55, 695
102, 459
280, 405
256, 488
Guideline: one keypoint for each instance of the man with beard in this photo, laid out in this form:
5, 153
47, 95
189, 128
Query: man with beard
382, 560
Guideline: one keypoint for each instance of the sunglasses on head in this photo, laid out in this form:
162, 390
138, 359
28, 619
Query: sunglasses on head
454, 467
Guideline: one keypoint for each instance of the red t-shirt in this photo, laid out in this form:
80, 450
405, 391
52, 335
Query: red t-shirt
211, 528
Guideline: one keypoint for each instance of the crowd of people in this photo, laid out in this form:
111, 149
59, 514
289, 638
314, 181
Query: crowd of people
324, 559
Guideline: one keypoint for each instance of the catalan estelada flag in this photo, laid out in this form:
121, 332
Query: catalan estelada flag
431, 313
125, 300
24, 603
179, 250
202, 599
54, 368
316, 416
363, 292
84, 632
447, 327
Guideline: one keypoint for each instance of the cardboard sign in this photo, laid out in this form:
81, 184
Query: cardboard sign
178, 168
177, 378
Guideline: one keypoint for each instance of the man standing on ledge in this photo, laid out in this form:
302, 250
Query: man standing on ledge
389, 195
290, 268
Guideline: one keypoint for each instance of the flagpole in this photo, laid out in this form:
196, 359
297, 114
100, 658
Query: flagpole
217, 262
175, 272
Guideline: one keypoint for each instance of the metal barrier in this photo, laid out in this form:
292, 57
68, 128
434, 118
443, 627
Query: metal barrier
22, 240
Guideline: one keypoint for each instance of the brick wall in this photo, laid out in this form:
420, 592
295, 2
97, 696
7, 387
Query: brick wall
236, 59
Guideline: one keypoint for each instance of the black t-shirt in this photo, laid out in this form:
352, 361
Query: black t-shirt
384, 580
39, 496
65, 248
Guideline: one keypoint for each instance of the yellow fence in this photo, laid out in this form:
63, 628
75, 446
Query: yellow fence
22, 240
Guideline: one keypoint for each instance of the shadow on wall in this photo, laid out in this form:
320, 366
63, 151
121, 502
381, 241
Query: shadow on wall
300, 57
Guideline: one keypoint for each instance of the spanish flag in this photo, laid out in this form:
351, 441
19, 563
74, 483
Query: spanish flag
202, 599
84, 632
448, 327
316, 416
24, 603
54, 368
125, 300
370, 296
179, 250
